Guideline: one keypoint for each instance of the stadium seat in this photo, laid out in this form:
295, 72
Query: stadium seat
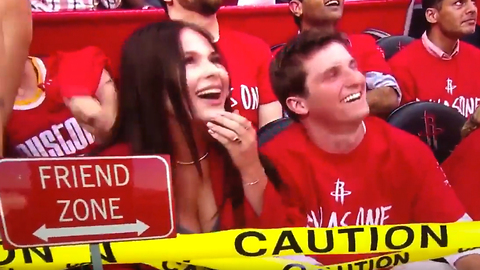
435, 124
276, 47
474, 38
393, 44
375, 33
418, 23
267, 132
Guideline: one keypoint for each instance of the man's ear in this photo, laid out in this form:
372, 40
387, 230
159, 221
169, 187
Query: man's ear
297, 105
295, 7
431, 14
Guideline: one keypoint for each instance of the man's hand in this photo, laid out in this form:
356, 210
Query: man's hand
382, 101
468, 262
472, 123
97, 114
91, 116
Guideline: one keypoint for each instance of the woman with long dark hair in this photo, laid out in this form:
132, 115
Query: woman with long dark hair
174, 99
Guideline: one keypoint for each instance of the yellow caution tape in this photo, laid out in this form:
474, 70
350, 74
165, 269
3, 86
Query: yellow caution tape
384, 261
250, 245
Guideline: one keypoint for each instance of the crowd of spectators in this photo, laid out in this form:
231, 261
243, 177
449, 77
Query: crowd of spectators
89, 5
199, 92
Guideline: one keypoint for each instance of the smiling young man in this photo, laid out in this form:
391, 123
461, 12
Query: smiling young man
348, 167
439, 67
383, 93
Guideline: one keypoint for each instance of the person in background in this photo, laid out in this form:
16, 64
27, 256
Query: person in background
439, 67
472, 123
383, 92
247, 58
255, 2
349, 167
74, 5
52, 129
15, 38
142, 4
462, 170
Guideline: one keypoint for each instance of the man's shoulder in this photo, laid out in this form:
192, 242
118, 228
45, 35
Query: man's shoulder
291, 138
472, 50
398, 141
243, 38
361, 39
409, 52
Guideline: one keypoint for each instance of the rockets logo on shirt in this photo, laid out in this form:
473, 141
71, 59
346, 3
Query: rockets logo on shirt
450, 86
345, 216
63, 139
340, 192
465, 105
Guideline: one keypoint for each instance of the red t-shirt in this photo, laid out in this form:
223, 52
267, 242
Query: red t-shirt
462, 170
248, 61
368, 55
390, 178
425, 77
46, 127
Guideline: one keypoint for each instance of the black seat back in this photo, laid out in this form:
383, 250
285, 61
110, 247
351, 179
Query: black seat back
435, 124
375, 33
393, 44
275, 47
270, 130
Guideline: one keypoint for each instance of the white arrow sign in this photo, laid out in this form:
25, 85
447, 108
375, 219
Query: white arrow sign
45, 233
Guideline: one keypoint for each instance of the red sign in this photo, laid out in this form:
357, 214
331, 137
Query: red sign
64, 201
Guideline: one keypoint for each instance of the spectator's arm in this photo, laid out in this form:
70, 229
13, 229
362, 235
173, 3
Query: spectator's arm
39, 6
15, 38
136, 4
111, 4
96, 115
384, 93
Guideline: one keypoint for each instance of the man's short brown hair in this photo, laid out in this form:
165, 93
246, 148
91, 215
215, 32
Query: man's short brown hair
287, 73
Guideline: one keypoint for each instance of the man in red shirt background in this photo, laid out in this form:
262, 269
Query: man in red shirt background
348, 168
383, 92
461, 168
60, 125
247, 59
439, 67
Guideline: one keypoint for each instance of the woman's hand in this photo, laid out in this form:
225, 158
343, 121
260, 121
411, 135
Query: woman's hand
238, 136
